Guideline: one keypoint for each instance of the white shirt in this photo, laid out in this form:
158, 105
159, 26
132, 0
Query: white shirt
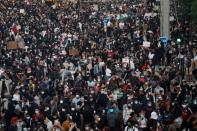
150, 56
158, 89
91, 83
16, 97
108, 72
131, 64
130, 129
126, 114
49, 125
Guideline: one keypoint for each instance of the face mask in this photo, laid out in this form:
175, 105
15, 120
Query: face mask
47, 108
63, 109
36, 112
72, 109
111, 110
136, 102
149, 104
27, 117
160, 98
87, 128
141, 115
61, 101
99, 119
183, 106
195, 102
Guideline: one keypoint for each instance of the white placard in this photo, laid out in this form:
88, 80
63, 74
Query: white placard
146, 44
22, 11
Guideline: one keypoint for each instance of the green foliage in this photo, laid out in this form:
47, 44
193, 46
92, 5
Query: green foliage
194, 11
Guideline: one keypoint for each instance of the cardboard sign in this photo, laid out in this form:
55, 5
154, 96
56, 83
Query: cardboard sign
95, 7
72, 1
22, 11
11, 45
125, 60
73, 52
150, 15
21, 44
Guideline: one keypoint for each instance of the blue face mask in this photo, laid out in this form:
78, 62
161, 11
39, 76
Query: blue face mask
195, 102
111, 110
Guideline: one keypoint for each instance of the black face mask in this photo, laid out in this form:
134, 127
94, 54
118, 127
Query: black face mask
129, 125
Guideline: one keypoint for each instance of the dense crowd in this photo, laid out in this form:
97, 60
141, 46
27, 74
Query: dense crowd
111, 81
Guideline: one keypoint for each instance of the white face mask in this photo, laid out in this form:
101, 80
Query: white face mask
184, 106
72, 109
99, 119
61, 101
142, 115
136, 102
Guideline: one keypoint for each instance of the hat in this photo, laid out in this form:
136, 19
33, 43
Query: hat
154, 115
13, 120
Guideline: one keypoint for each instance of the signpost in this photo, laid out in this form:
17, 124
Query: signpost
164, 40
164, 18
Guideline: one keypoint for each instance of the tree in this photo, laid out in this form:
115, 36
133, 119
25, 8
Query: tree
194, 11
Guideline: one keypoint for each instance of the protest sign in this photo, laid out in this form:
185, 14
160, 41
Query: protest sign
73, 52
146, 44
22, 11
11, 45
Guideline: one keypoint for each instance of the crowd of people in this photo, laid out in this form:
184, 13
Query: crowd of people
96, 66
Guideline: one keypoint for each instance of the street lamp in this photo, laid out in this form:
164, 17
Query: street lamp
181, 59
